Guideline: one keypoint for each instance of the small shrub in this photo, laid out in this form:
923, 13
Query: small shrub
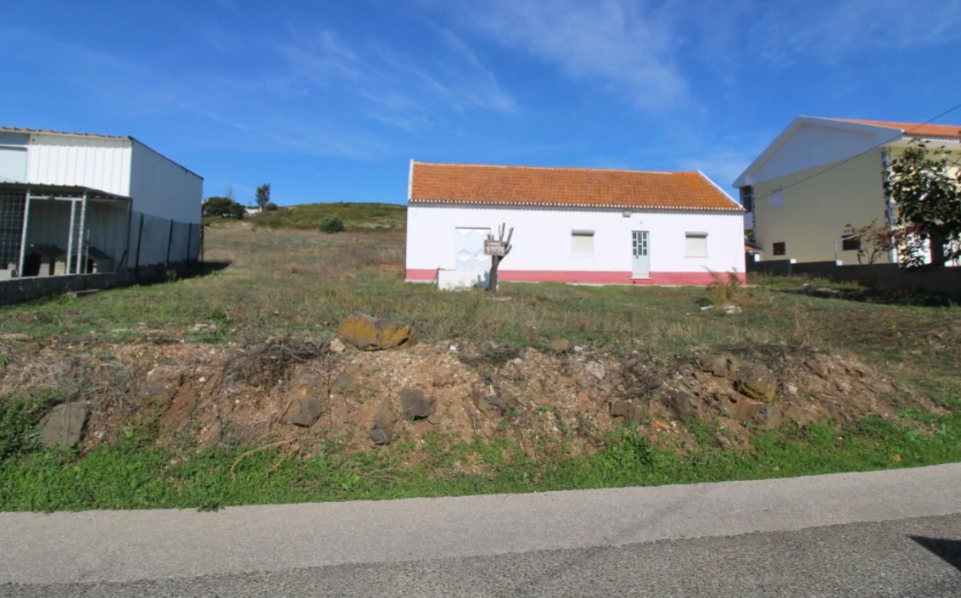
725, 290
332, 224
18, 433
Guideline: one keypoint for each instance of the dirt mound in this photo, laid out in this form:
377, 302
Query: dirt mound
567, 400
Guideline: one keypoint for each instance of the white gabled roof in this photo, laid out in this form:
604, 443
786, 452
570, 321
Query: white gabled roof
871, 134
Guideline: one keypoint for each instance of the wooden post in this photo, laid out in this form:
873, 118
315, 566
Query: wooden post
498, 250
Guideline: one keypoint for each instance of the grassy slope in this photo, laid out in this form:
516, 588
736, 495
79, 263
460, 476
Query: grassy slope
356, 216
290, 281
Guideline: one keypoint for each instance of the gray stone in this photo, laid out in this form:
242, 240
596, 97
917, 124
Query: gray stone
732, 310
620, 408
416, 405
382, 431
158, 397
64, 424
489, 405
757, 382
435, 419
337, 346
596, 369
683, 404
560, 346
307, 411
381, 435
766, 416
346, 383
715, 363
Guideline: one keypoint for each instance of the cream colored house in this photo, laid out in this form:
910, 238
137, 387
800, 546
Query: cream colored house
821, 174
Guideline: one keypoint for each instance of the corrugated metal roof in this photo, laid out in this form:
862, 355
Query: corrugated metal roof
565, 187
66, 133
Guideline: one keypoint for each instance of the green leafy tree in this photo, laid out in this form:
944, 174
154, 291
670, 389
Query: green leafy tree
223, 207
263, 196
332, 224
928, 198
271, 207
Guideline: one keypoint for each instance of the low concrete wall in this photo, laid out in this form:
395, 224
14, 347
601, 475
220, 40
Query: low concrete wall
946, 281
18, 290
25, 289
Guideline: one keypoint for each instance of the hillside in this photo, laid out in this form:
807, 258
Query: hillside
357, 216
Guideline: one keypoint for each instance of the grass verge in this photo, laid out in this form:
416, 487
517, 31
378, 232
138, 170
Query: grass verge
134, 473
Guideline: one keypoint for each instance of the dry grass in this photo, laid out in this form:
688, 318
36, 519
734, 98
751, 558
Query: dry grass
282, 282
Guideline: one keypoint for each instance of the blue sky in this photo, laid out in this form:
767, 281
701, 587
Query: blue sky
328, 101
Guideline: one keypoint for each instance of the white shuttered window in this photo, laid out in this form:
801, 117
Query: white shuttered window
582, 243
696, 245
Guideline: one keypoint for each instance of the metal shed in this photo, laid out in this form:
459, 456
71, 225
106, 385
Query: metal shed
70, 229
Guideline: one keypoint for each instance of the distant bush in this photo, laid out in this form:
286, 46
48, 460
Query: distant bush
332, 224
271, 207
223, 207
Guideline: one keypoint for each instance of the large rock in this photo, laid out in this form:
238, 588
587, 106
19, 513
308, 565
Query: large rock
757, 382
307, 411
416, 405
373, 334
64, 424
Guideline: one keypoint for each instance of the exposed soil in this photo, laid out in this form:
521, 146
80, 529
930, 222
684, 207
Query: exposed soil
199, 395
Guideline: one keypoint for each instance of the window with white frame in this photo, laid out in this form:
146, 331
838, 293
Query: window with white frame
695, 244
775, 198
582, 243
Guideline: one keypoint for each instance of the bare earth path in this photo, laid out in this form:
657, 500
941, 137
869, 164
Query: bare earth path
891, 533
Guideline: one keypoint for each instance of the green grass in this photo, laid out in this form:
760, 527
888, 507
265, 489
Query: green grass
367, 217
134, 473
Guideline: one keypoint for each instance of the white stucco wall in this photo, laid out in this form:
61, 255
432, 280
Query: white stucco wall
542, 242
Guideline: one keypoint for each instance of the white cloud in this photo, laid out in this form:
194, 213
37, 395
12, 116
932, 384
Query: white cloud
785, 35
625, 46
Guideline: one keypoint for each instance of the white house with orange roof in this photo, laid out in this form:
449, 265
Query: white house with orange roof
573, 225
821, 174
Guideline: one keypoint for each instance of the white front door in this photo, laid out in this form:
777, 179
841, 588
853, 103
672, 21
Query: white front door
469, 249
641, 246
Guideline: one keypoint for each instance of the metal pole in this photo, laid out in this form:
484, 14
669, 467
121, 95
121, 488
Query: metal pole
84, 239
126, 252
23, 233
190, 230
136, 269
73, 218
170, 238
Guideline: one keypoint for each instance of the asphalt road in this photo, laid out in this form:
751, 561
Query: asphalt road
895, 533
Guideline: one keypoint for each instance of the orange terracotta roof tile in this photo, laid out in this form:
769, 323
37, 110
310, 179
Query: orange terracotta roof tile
545, 186
913, 129
48, 132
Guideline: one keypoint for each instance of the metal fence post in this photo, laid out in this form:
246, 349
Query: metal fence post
170, 238
190, 230
136, 269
